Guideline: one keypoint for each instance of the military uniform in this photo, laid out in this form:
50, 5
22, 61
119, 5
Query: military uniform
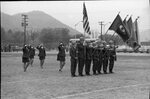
88, 60
100, 50
112, 58
81, 56
105, 59
95, 57
73, 59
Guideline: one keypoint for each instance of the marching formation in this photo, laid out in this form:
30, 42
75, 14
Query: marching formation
97, 55
29, 53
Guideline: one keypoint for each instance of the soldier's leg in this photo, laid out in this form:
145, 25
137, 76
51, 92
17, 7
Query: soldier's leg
99, 66
89, 67
72, 67
82, 66
105, 66
94, 67
79, 66
111, 65
86, 66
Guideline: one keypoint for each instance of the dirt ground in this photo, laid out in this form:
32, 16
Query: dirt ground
131, 79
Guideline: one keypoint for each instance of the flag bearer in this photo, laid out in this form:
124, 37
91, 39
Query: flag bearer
95, 58
81, 56
112, 56
105, 57
88, 60
100, 48
73, 59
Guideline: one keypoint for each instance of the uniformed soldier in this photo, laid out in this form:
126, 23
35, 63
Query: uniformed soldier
95, 58
61, 55
105, 57
88, 60
112, 56
25, 57
100, 51
31, 54
42, 54
81, 56
73, 59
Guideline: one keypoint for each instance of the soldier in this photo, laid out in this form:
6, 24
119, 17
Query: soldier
105, 57
88, 60
100, 49
42, 54
95, 58
61, 55
73, 59
25, 57
112, 56
31, 54
81, 56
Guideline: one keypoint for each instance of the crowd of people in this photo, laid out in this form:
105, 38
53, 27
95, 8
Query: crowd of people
85, 55
97, 57
29, 53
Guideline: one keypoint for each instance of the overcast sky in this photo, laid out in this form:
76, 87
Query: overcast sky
70, 12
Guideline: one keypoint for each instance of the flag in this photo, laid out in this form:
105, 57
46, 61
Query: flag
119, 27
126, 25
133, 40
136, 31
86, 26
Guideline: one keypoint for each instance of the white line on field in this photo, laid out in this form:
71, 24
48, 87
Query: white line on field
107, 89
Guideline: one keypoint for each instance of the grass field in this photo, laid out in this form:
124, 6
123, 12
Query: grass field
131, 79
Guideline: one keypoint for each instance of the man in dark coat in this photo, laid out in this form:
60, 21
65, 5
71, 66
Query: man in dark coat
73, 59
42, 54
112, 56
105, 57
25, 57
81, 56
61, 55
100, 53
95, 58
88, 60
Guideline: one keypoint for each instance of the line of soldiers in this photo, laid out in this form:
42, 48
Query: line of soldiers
84, 53
29, 53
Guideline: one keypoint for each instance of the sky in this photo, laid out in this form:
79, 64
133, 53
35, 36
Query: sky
71, 12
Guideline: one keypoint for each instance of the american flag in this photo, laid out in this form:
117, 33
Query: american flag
86, 26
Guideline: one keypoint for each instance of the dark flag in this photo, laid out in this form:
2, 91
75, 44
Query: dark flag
126, 24
86, 26
119, 27
133, 40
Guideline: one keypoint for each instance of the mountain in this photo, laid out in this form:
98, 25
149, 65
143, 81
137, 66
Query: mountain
37, 20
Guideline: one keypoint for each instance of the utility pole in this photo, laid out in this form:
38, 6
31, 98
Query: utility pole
101, 23
24, 24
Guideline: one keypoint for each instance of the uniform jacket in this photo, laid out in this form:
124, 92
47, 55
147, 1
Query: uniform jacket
81, 51
73, 53
95, 54
89, 51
